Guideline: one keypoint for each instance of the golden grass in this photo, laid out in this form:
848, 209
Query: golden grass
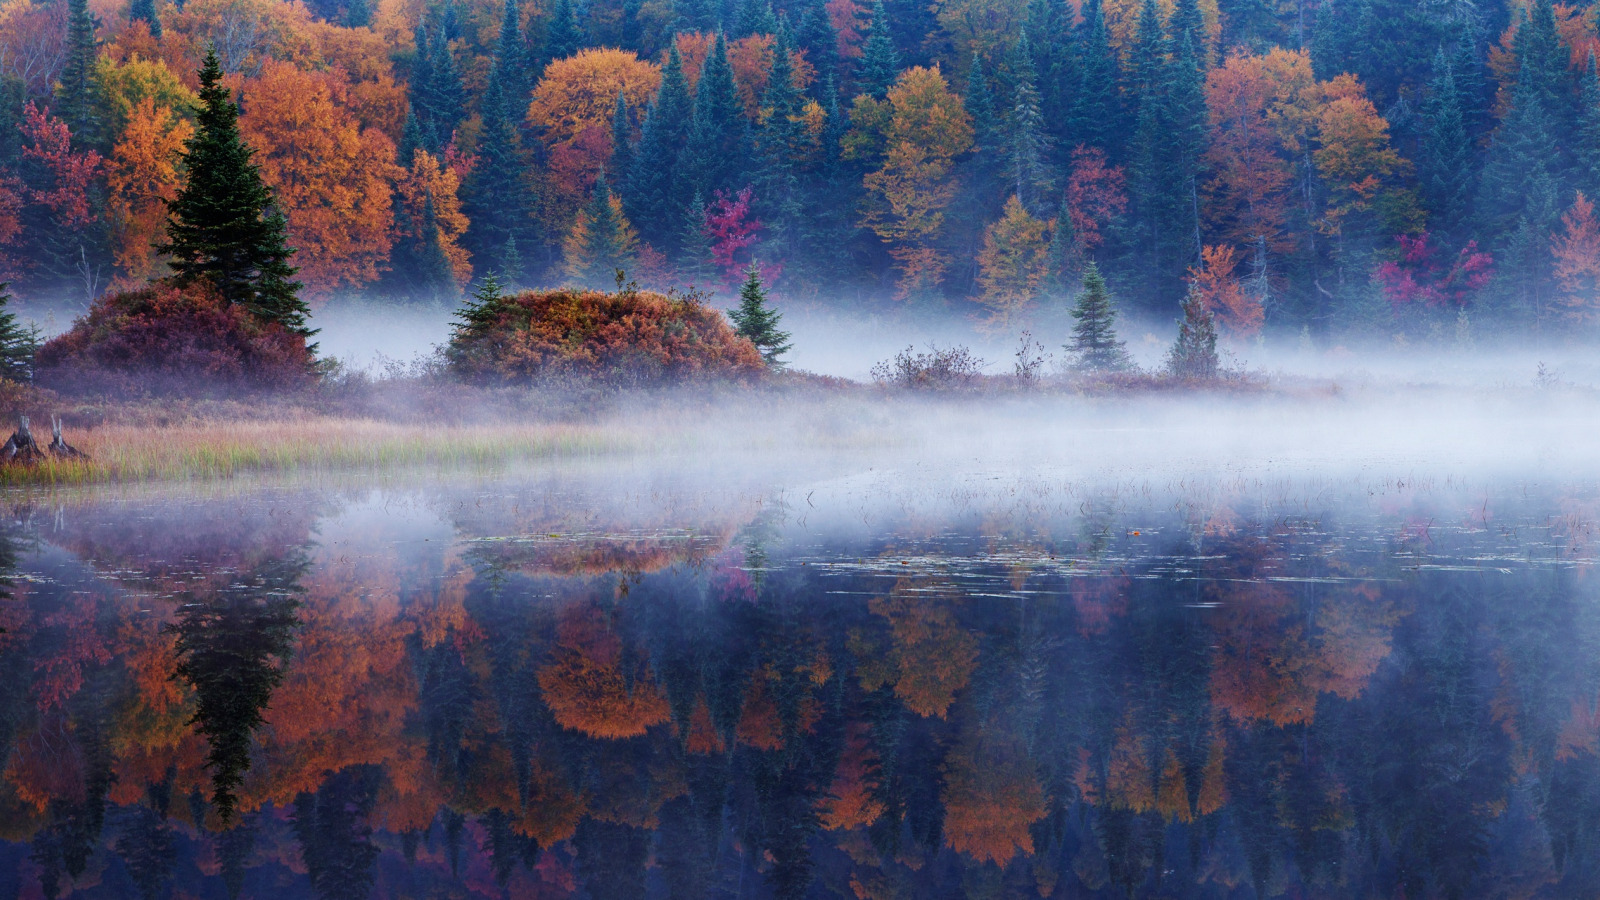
125, 453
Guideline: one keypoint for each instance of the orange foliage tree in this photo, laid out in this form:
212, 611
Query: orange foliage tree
143, 176
331, 176
1576, 248
572, 109
585, 687
992, 796
1213, 281
428, 180
1012, 264
1254, 105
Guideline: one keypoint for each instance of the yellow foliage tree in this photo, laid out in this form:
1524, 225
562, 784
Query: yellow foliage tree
927, 128
1013, 261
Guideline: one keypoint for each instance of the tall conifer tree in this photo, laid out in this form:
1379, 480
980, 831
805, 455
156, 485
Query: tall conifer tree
1096, 113
1445, 166
715, 156
77, 101
145, 11
880, 62
222, 227
654, 186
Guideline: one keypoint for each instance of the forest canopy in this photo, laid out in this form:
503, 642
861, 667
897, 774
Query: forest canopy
1345, 165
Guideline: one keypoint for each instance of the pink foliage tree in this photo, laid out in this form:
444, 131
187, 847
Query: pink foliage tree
732, 230
1422, 277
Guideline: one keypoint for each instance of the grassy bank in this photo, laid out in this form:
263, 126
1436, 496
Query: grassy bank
126, 453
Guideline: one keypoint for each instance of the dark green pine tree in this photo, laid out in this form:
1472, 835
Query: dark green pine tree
445, 97
77, 92
754, 17
778, 141
511, 63
979, 101
1055, 62
1194, 354
655, 190
145, 11
1186, 119
1445, 166
621, 142
757, 322
357, 14
411, 139
433, 279
605, 248
1472, 85
496, 198
1146, 83
880, 62
1524, 154
1094, 337
1188, 21
1097, 118
420, 111
18, 344
1586, 149
715, 156
694, 257
695, 15
563, 36
222, 227
1031, 178
818, 39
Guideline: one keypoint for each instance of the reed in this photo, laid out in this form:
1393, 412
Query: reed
126, 453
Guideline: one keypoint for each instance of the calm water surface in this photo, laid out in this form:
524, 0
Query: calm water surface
861, 683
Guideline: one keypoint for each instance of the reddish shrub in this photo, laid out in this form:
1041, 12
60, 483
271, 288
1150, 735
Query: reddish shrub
630, 337
165, 338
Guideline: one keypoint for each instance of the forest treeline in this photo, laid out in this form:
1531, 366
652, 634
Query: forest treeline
1408, 169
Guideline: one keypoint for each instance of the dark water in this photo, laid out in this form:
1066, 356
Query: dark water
877, 686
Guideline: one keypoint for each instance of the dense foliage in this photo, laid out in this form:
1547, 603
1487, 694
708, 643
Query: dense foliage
164, 337
1296, 159
629, 337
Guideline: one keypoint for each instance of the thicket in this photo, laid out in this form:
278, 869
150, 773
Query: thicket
166, 338
625, 338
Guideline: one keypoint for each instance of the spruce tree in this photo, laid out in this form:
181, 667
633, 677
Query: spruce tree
718, 145
1030, 174
605, 242
817, 38
779, 140
979, 101
655, 188
1096, 114
18, 344
1094, 337
435, 277
757, 322
1586, 150
145, 11
511, 63
357, 14
880, 62
445, 97
694, 257
77, 100
496, 198
621, 142
1445, 166
695, 15
563, 36
222, 227
1194, 354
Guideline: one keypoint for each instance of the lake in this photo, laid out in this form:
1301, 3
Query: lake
825, 675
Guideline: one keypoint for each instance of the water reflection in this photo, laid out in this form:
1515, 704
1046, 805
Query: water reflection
492, 690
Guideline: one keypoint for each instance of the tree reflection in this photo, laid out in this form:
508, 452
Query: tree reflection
231, 651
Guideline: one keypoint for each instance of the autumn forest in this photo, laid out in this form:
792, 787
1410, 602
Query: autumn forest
1373, 166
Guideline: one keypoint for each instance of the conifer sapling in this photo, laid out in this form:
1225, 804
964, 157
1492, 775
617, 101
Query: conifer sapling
1094, 338
757, 322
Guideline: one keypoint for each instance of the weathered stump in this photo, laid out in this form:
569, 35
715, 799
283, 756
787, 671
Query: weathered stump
22, 449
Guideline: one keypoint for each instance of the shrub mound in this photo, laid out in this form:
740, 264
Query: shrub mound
628, 338
167, 338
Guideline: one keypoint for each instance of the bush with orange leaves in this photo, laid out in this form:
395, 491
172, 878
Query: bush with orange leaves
627, 338
164, 338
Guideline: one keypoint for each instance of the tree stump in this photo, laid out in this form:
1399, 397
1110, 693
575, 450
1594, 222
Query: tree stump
22, 449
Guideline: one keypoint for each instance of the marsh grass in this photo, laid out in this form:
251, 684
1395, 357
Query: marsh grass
128, 453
